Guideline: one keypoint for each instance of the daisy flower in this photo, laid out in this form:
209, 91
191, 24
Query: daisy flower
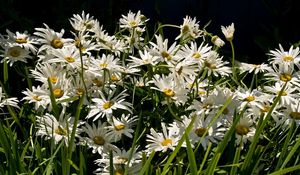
183, 70
82, 22
202, 131
121, 157
167, 85
58, 130
284, 74
106, 62
194, 53
67, 56
38, 96
133, 21
23, 40
250, 98
14, 54
228, 31
13, 101
286, 58
162, 50
145, 58
105, 105
289, 95
217, 41
215, 65
291, 114
45, 70
120, 127
255, 68
189, 29
97, 138
51, 39
161, 141
244, 130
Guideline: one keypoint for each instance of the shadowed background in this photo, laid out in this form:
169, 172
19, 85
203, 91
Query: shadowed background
260, 24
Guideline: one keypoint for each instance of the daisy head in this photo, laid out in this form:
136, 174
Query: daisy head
59, 130
161, 141
189, 29
120, 127
23, 40
133, 21
97, 138
228, 31
15, 53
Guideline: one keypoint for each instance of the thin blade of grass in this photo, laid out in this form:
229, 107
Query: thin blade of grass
191, 156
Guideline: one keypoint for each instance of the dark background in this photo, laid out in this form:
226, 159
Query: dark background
260, 24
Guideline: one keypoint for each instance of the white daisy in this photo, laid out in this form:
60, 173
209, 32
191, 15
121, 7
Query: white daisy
161, 141
4, 101
105, 105
285, 58
133, 21
189, 29
97, 138
217, 41
122, 126
38, 96
51, 39
49, 127
14, 54
82, 22
23, 40
215, 65
228, 31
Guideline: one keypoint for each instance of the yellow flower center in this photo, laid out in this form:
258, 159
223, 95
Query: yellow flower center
166, 142
169, 92
119, 127
210, 65
200, 132
265, 109
53, 79
57, 43
108, 104
225, 111
242, 129
133, 24
14, 52
58, 92
99, 140
285, 77
119, 172
114, 78
60, 131
288, 58
103, 65
122, 160
80, 91
196, 55
249, 98
185, 29
283, 93
77, 43
21, 40
88, 24
97, 82
70, 59
37, 98
295, 115
166, 55
179, 70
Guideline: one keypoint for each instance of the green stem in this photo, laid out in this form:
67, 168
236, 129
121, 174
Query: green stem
171, 110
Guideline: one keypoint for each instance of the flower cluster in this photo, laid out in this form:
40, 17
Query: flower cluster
129, 79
